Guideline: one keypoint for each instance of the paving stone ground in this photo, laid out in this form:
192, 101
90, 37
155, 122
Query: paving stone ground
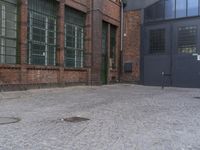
122, 117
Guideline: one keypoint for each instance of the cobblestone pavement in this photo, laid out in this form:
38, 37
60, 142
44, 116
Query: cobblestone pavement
122, 117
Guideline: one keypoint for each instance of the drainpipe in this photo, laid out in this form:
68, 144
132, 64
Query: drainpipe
122, 24
121, 40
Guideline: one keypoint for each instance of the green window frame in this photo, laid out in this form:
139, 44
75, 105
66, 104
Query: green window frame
74, 38
42, 32
8, 31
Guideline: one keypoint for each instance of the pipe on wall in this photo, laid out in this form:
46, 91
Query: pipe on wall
121, 40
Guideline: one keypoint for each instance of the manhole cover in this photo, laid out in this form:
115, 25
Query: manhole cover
197, 97
8, 120
75, 119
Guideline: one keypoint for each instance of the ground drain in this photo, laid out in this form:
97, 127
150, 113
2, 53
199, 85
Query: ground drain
197, 97
75, 119
8, 120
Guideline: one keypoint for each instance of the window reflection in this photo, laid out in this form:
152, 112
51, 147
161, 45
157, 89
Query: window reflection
193, 7
180, 8
169, 9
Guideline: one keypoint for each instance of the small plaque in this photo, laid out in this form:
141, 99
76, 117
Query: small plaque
198, 57
128, 67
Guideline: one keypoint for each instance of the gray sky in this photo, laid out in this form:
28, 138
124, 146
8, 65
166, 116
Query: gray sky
137, 4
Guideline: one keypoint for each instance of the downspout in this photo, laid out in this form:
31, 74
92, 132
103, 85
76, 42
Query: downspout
122, 24
121, 40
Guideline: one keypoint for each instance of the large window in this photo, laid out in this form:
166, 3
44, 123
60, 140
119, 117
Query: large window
170, 9
8, 31
42, 32
74, 38
187, 39
157, 41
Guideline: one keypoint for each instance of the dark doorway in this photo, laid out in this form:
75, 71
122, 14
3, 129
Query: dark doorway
104, 62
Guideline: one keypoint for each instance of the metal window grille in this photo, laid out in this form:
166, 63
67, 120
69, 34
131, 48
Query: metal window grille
42, 32
8, 31
187, 39
74, 38
157, 41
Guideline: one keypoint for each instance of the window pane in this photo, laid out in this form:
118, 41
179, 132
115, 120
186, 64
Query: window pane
79, 56
42, 32
157, 41
51, 54
149, 13
155, 11
70, 58
79, 38
193, 7
159, 10
180, 8
37, 54
187, 39
74, 37
113, 45
51, 37
8, 31
74, 16
169, 9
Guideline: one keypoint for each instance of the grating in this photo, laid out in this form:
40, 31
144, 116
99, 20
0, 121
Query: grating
8, 120
197, 97
75, 119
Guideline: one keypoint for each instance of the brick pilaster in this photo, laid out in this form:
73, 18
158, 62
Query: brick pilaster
97, 18
22, 36
60, 38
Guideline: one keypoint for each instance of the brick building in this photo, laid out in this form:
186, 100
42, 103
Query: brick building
58, 42
64, 42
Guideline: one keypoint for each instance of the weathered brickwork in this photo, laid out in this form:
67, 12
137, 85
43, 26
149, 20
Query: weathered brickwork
131, 50
42, 76
96, 11
10, 75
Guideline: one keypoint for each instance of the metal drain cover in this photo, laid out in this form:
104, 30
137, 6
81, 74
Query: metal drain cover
197, 97
8, 120
75, 119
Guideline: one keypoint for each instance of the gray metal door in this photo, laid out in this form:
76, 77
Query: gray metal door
158, 62
185, 53
179, 64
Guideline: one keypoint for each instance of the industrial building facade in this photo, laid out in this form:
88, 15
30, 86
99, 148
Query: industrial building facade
64, 42
162, 36
171, 43
47, 42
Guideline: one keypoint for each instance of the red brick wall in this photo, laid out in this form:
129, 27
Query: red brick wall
75, 76
23, 73
132, 38
111, 9
36, 76
10, 75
